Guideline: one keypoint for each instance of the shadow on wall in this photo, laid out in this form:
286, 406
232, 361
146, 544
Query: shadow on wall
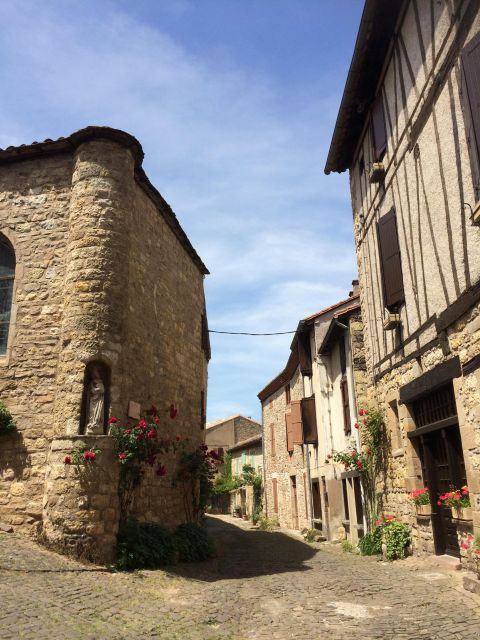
13, 457
247, 554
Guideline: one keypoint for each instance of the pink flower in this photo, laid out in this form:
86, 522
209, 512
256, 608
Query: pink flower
112, 420
90, 455
439, 503
67, 460
161, 471
127, 431
465, 545
142, 424
457, 496
156, 419
361, 412
122, 456
152, 434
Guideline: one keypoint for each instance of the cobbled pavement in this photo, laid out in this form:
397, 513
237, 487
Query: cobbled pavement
261, 585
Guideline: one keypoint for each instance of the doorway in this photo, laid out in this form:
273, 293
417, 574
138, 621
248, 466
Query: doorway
438, 442
293, 489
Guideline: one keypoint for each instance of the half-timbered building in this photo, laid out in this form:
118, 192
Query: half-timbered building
408, 131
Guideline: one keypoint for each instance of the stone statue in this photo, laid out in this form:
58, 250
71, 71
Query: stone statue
95, 405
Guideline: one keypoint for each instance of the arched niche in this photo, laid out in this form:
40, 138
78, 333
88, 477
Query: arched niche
95, 398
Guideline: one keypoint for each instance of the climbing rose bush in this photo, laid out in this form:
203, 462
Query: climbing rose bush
83, 455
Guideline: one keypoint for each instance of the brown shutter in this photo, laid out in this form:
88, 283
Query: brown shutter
287, 393
305, 353
297, 431
470, 93
275, 495
346, 405
309, 421
272, 440
206, 337
288, 426
378, 129
390, 260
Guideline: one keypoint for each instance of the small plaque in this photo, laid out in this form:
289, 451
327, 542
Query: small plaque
134, 410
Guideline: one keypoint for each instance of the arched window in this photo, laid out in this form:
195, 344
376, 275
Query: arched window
7, 274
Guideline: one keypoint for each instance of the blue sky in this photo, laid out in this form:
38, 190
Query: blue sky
234, 102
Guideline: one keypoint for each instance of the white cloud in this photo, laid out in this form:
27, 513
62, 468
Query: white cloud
239, 159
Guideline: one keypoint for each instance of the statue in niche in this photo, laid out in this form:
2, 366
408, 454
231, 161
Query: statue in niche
95, 404
95, 401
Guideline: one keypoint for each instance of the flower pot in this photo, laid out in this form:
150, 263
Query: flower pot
463, 513
423, 509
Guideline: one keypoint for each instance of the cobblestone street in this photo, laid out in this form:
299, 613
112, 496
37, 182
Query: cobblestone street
262, 585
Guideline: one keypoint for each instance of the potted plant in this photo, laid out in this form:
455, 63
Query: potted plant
421, 500
237, 512
459, 501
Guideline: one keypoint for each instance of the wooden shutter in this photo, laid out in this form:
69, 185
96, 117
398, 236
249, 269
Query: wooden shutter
305, 353
297, 431
390, 260
205, 338
272, 440
346, 405
378, 129
470, 93
275, 495
309, 421
287, 393
288, 426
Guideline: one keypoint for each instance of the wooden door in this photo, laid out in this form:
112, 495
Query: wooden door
293, 487
444, 470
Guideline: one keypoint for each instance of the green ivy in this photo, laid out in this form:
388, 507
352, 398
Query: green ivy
7, 421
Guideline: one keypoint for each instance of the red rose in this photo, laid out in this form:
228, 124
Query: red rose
127, 431
112, 420
359, 464
67, 460
122, 456
356, 425
173, 411
142, 424
161, 471
152, 434
361, 412
156, 419
141, 436
457, 497
353, 454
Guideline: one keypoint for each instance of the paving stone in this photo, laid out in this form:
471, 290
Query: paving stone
261, 585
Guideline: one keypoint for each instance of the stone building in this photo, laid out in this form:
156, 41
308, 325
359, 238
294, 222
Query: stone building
308, 412
102, 313
224, 433
408, 131
247, 452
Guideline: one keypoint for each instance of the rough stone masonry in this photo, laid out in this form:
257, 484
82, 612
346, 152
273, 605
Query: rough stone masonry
104, 274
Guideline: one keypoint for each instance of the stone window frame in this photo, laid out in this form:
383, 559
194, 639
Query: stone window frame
17, 280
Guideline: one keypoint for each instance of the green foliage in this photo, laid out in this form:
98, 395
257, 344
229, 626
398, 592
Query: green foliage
309, 535
371, 543
150, 546
347, 546
7, 422
196, 470
396, 536
193, 543
267, 524
144, 546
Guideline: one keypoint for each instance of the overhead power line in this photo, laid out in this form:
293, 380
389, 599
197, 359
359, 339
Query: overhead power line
246, 333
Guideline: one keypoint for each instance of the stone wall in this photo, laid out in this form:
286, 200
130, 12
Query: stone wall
34, 200
104, 273
246, 428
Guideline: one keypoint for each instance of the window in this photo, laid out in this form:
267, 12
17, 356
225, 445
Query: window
347, 425
390, 261
287, 393
470, 94
379, 133
7, 275
272, 440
